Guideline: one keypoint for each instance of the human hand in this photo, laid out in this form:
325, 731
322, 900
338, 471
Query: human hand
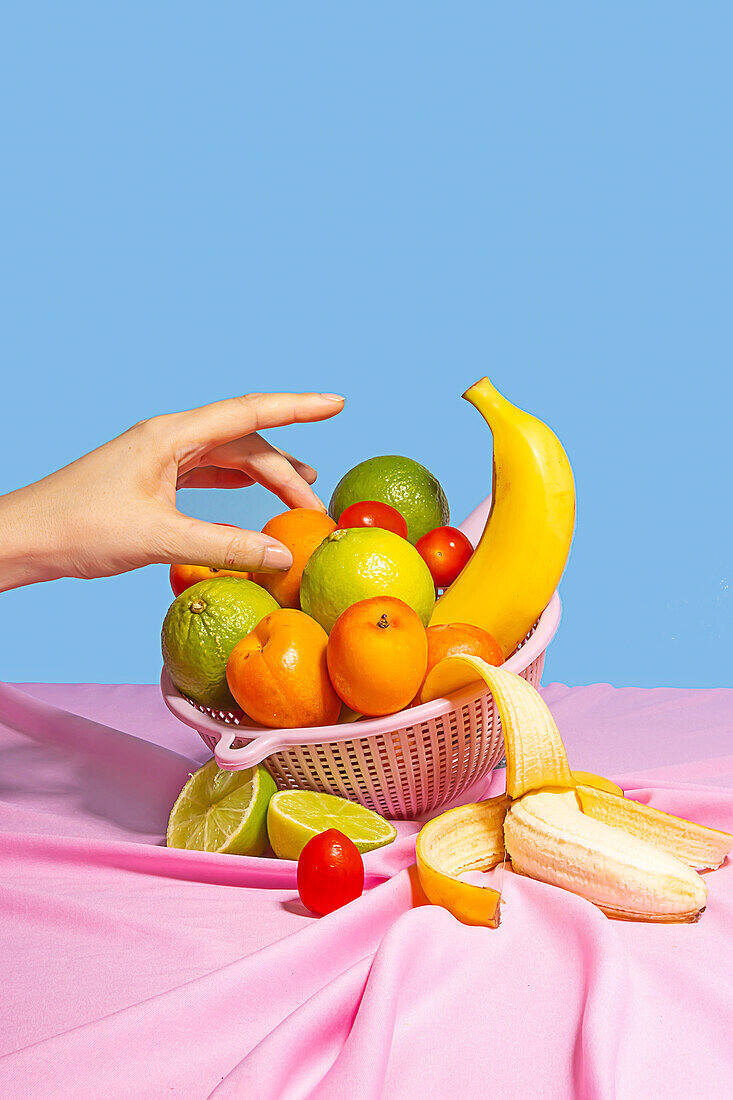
115, 509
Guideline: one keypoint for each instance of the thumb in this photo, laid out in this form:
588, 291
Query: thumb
196, 542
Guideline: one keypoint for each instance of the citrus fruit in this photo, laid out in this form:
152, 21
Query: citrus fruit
400, 482
201, 629
220, 811
278, 672
184, 576
301, 530
361, 562
377, 655
293, 817
450, 639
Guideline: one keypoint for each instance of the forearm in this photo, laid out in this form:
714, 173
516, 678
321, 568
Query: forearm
28, 539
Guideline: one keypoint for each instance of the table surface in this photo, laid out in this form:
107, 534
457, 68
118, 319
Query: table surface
134, 970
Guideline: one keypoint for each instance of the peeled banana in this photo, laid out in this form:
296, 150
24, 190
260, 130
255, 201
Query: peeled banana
566, 828
517, 565
548, 837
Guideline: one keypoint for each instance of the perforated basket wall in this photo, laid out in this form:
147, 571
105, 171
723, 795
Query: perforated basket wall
409, 771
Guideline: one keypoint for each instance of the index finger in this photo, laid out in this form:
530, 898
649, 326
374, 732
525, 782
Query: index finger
211, 425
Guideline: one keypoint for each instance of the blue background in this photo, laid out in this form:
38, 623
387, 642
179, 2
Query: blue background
388, 201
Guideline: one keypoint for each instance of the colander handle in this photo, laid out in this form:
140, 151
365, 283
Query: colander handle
262, 746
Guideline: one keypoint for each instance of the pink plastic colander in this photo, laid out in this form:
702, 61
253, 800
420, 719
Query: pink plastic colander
405, 765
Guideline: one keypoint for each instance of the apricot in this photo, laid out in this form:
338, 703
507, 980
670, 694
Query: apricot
278, 672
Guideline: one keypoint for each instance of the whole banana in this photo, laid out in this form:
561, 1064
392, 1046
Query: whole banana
517, 565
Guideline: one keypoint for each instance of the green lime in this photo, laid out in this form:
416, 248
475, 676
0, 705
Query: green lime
293, 817
405, 484
220, 811
201, 629
357, 563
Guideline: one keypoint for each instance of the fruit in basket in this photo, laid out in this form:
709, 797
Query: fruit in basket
632, 861
202, 627
450, 639
301, 530
445, 551
220, 811
183, 576
278, 672
330, 873
361, 562
293, 817
372, 513
519, 560
377, 655
400, 482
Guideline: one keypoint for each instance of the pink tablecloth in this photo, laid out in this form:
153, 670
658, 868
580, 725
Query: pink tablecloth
132, 971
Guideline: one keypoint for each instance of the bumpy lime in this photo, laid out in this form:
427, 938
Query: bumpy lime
361, 562
401, 482
201, 629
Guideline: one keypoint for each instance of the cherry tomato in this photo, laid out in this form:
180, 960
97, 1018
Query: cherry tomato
372, 513
330, 872
445, 550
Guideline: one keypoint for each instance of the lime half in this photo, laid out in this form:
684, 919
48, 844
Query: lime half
220, 811
293, 817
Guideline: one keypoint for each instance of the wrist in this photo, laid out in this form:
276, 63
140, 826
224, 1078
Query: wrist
27, 546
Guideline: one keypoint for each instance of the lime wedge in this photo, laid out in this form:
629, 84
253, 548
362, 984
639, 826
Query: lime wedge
220, 811
293, 817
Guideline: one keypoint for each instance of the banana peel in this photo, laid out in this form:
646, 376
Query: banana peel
470, 838
535, 754
571, 829
696, 845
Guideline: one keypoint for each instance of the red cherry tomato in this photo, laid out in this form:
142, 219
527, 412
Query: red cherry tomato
445, 550
372, 513
330, 872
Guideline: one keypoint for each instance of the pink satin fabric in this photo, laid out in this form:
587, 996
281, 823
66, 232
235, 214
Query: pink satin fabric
133, 971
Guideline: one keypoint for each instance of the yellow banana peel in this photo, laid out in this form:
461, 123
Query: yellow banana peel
470, 838
695, 845
535, 754
571, 829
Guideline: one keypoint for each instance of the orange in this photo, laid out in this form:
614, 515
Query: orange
183, 576
301, 530
448, 639
278, 672
377, 655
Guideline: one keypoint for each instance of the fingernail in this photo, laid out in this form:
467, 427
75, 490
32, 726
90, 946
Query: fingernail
332, 396
277, 557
